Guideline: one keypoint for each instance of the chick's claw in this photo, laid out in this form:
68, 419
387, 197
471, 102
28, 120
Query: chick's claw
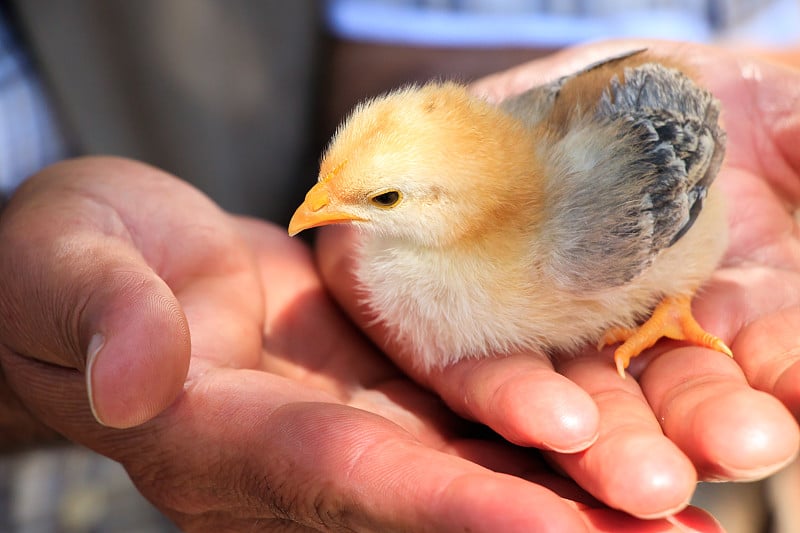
614, 336
672, 318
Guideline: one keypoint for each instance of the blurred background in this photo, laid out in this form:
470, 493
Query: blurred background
239, 97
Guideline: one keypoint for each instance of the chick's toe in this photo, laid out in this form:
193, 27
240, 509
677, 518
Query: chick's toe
672, 318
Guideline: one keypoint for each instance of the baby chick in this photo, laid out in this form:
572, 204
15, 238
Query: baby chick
579, 211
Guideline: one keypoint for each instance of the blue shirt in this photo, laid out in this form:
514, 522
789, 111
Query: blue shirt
30, 138
557, 23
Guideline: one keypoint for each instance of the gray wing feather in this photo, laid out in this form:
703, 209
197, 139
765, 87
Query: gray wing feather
533, 105
631, 177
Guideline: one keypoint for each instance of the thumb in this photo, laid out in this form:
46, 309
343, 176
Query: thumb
134, 343
76, 292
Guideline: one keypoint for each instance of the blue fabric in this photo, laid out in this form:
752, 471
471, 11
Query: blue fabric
30, 138
551, 23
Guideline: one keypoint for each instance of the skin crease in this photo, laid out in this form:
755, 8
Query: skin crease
251, 423
721, 419
263, 396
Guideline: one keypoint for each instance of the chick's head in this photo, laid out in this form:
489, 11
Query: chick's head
428, 165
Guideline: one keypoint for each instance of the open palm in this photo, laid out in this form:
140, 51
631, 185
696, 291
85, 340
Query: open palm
235, 393
641, 444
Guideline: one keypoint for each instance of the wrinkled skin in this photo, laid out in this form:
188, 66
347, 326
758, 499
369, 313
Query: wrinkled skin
233, 390
238, 396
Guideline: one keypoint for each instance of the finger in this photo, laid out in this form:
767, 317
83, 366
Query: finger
363, 462
770, 356
328, 466
729, 430
266, 448
759, 317
690, 519
520, 396
521, 462
632, 466
336, 357
225, 312
706, 407
76, 293
599, 520
523, 399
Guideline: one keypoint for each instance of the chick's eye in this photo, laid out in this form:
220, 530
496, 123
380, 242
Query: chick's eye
386, 199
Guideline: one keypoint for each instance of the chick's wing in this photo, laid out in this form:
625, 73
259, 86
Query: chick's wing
630, 148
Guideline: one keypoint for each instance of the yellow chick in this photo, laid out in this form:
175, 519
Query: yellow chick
579, 211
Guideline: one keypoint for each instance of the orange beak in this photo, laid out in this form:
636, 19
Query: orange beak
316, 210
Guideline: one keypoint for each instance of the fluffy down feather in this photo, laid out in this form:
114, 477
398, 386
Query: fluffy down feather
539, 224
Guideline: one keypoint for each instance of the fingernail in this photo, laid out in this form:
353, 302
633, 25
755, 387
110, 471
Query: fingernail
96, 344
579, 444
749, 474
695, 520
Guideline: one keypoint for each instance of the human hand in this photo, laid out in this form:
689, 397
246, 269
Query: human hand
230, 387
640, 445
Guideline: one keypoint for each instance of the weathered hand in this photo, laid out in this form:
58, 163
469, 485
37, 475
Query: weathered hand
641, 444
231, 388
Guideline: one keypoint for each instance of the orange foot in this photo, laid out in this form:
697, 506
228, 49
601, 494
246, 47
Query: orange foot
671, 318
